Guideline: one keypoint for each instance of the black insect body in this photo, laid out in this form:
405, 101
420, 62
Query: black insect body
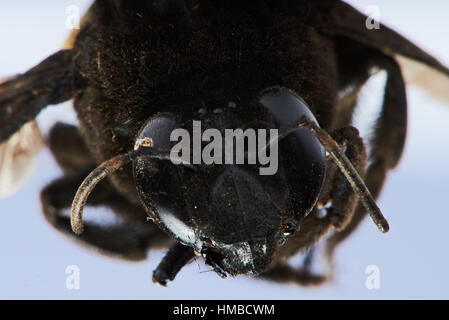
138, 70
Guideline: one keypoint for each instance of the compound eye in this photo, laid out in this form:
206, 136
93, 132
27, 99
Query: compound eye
157, 130
301, 153
285, 106
157, 181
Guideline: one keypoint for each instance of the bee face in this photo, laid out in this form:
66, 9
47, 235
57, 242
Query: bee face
232, 213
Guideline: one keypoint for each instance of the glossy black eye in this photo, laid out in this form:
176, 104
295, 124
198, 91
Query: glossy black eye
158, 183
300, 152
158, 129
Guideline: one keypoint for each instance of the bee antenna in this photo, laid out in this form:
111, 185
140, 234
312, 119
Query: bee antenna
345, 166
89, 183
102, 171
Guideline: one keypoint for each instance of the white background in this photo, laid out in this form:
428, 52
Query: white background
412, 257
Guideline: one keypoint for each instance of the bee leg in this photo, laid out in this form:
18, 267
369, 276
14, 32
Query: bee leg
386, 145
344, 201
24, 96
128, 240
343, 197
176, 258
385, 153
72, 155
68, 148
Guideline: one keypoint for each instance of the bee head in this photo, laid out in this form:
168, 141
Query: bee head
234, 210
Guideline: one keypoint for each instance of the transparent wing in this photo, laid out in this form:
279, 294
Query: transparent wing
16, 158
434, 82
